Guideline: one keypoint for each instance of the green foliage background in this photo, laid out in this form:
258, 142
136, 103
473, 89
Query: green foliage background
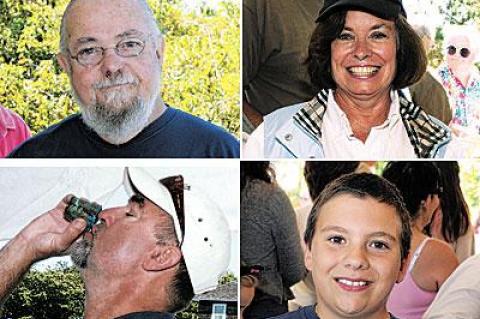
455, 12
58, 293
201, 70
55, 293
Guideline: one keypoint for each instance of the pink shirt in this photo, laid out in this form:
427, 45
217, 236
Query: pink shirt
13, 131
407, 300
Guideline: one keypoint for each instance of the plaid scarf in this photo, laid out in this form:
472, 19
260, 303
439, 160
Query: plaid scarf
424, 134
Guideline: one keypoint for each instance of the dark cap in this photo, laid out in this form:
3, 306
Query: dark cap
385, 9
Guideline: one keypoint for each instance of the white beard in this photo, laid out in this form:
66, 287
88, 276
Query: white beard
121, 116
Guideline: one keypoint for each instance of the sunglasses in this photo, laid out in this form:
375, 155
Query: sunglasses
464, 52
176, 187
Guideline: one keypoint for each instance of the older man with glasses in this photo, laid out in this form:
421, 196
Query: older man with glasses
145, 259
113, 54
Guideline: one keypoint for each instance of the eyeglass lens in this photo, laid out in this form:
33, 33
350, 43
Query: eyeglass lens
464, 52
125, 48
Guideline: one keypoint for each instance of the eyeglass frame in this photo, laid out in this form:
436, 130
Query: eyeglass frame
115, 49
464, 52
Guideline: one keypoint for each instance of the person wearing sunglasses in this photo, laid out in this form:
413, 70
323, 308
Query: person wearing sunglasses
145, 259
461, 79
113, 53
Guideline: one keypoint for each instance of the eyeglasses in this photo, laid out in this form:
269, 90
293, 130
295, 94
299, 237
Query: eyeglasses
176, 187
464, 52
91, 56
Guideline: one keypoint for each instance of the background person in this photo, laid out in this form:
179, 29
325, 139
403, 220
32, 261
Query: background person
268, 238
451, 222
459, 296
430, 261
275, 39
13, 131
248, 284
461, 79
354, 58
428, 92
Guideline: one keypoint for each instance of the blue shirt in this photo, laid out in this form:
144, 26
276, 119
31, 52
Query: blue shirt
147, 315
175, 134
304, 313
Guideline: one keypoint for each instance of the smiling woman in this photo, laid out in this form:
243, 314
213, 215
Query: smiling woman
361, 55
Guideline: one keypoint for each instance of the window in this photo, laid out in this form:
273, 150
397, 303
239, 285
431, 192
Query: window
219, 311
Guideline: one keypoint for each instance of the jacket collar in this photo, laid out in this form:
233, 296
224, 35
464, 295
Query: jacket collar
426, 134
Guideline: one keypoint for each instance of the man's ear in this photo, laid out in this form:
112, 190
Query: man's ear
161, 258
64, 63
403, 269
160, 48
308, 258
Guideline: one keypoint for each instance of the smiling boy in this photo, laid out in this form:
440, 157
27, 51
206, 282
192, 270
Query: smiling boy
357, 238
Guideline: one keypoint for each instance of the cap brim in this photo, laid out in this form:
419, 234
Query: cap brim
137, 179
372, 7
206, 246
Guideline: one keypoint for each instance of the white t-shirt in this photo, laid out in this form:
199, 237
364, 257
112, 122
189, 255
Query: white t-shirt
459, 296
386, 141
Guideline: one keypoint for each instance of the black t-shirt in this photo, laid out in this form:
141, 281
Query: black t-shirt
147, 315
175, 134
305, 313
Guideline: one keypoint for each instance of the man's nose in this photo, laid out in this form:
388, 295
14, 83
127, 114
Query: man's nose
356, 258
111, 63
111, 215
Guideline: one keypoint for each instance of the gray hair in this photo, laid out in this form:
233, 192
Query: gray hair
64, 36
471, 32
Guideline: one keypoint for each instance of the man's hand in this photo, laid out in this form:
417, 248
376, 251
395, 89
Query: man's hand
252, 115
50, 234
47, 235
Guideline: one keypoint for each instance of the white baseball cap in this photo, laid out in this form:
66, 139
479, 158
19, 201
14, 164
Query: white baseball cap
206, 242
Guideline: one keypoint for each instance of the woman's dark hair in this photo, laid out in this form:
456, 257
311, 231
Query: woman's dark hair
319, 173
255, 170
411, 56
415, 181
456, 219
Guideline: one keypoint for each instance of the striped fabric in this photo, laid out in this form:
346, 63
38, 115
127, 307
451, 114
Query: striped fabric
424, 133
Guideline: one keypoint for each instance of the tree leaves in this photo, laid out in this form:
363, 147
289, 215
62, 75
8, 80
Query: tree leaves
201, 68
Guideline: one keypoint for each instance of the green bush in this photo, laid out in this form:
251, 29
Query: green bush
54, 293
201, 69
58, 293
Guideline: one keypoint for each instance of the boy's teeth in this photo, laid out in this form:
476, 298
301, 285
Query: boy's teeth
352, 283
